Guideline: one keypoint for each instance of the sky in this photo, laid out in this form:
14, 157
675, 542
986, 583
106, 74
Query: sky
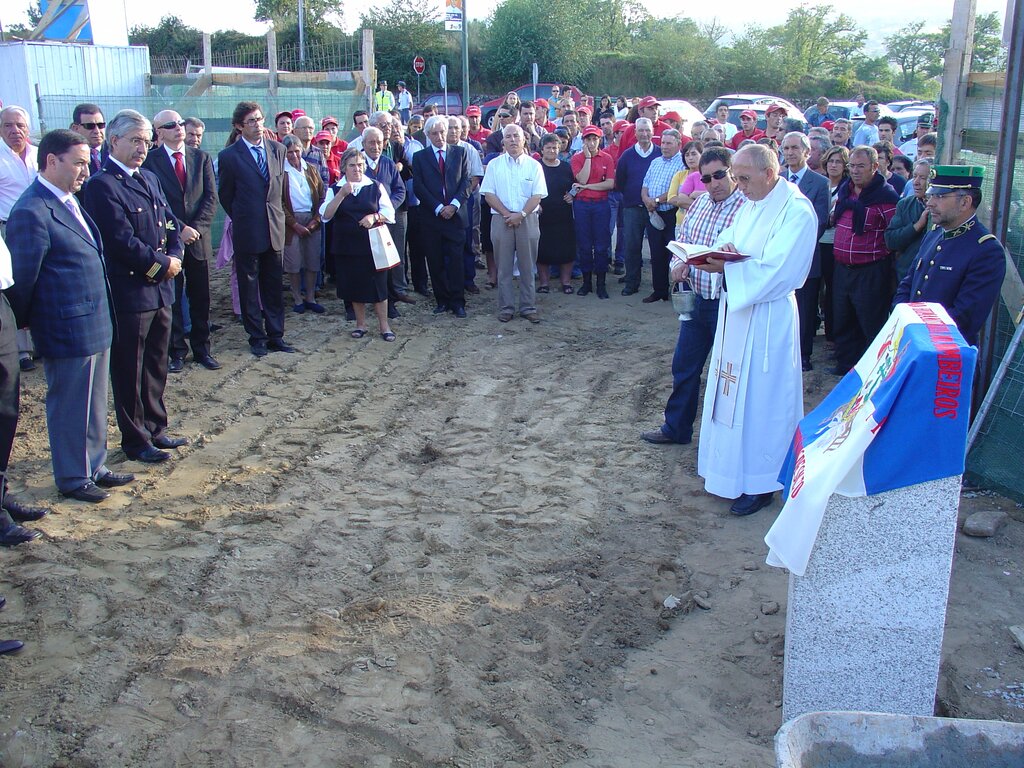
237, 14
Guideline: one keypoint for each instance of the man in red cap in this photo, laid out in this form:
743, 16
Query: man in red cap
749, 129
586, 116
646, 107
543, 119
476, 131
774, 116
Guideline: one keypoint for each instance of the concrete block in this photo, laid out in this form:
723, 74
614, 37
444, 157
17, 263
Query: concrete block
864, 624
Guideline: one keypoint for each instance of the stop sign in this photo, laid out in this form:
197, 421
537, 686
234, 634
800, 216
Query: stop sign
418, 65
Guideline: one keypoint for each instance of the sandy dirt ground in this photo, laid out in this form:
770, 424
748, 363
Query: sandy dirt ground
452, 550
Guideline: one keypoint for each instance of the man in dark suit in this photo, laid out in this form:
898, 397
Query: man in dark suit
87, 121
795, 150
143, 250
251, 179
60, 290
186, 177
444, 213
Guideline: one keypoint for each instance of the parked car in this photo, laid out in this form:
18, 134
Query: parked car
447, 104
488, 108
685, 109
907, 123
762, 123
899, 106
749, 100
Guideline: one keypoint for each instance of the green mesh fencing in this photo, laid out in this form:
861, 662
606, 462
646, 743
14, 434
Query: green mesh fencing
994, 459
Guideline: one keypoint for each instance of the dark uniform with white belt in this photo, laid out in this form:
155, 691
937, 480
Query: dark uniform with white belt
960, 264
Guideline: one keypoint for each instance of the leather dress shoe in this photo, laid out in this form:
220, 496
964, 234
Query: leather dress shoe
14, 535
393, 312
652, 298
115, 479
748, 504
280, 346
806, 365
207, 361
440, 309
11, 646
165, 442
629, 291
459, 311
472, 289
258, 349
27, 364
23, 513
176, 365
657, 437
405, 298
150, 454
89, 492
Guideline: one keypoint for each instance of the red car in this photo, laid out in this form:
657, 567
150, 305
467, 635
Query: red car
488, 108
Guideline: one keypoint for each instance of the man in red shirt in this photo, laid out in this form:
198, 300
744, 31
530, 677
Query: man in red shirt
646, 107
594, 172
774, 116
862, 279
749, 129
544, 122
476, 131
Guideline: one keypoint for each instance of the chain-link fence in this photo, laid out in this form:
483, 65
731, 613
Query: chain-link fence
994, 456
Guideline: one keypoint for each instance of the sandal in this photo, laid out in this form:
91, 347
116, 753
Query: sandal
543, 289
388, 336
358, 333
568, 289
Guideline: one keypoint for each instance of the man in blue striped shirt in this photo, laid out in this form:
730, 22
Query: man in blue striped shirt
706, 218
654, 194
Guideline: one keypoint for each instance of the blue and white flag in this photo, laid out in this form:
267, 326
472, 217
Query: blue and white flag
899, 418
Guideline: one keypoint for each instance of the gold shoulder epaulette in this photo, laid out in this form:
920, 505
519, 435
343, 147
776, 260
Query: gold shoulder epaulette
983, 238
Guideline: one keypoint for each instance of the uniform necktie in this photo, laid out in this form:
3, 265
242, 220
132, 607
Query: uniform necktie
179, 168
793, 178
138, 177
261, 162
71, 206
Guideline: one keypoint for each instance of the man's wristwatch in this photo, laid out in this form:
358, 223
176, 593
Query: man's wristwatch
523, 213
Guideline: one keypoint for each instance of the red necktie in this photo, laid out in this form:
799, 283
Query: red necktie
440, 163
179, 168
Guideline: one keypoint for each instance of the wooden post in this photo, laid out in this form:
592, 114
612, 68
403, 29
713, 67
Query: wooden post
272, 60
369, 68
953, 99
207, 54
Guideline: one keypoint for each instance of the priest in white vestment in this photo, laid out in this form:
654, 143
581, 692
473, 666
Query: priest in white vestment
754, 395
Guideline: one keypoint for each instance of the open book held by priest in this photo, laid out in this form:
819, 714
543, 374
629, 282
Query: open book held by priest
695, 255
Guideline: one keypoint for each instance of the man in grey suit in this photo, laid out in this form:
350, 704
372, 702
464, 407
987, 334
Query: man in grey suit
795, 150
252, 176
186, 176
61, 291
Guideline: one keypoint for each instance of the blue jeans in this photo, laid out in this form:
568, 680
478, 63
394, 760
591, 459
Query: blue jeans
615, 201
696, 336
634, 222
593, 235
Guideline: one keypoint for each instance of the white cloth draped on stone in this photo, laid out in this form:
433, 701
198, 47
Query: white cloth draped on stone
754, 395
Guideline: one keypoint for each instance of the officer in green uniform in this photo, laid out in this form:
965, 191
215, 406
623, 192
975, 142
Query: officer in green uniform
960, 264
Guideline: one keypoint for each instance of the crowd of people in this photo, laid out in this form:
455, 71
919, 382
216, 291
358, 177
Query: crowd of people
106, 250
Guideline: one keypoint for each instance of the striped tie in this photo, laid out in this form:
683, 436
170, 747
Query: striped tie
261, 162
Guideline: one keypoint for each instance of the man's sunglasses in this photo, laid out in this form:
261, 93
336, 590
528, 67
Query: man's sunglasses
93, 126
172, 124
717, 176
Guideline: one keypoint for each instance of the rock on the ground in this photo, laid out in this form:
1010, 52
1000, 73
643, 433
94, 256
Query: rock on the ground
770, 608
1018, 635
985, 523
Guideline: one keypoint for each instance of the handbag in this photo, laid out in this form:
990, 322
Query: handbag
382, 246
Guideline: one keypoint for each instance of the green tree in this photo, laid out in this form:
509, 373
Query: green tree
560, 35
816, 43
988, 54
406, 28
318, 13
171, 37
677, 56
617, 22
916, 53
